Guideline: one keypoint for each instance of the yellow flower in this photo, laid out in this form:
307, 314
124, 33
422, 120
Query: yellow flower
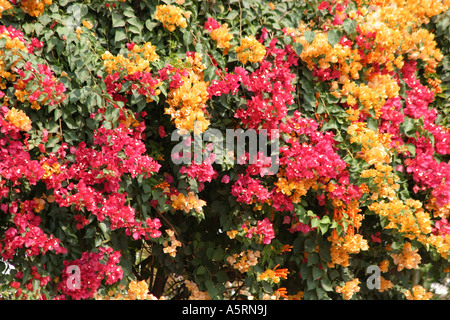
349, 289
87, 24
170, 16
223, 37
385, 285
232, 234
186, 203
34, 8
418, 293
4, 5
19, 119
250, 50
274, 274
408, 259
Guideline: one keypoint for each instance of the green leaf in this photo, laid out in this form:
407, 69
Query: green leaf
200, 270
313, 258
326, 284
309, 36
310, 245
349, 26
120, 35
317, 273
187, 38
298, 48
334, 36
118, 20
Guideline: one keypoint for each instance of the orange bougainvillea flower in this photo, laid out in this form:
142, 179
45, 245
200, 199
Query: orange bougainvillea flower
170, 16
418, 293
4, 5
250, 50
349, 289
19, 119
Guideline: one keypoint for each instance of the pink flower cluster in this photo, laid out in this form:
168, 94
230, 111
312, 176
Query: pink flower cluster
316, 158
16, 163
425, 169
249, 190
144, 83
441, 227
271, 87
211, 24
263, 229
26, 232
43, 281
203, 172
296, 225
92, 272
95, 177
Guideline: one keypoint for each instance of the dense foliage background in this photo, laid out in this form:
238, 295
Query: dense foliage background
92, 90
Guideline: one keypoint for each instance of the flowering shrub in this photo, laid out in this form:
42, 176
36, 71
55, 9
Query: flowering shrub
356, 92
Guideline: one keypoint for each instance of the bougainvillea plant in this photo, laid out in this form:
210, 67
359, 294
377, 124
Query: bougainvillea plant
355, 91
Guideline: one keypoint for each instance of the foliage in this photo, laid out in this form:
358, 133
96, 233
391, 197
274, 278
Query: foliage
93, 89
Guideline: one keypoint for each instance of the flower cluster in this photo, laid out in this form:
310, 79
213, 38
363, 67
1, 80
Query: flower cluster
263, 229
102, 166
244, 260
171, 17
250, 50
220, 34
418, 293
34, 8
26, 232
407, 259
92, 273
188, 95
19, 119
349, 289
174, 243
274, 274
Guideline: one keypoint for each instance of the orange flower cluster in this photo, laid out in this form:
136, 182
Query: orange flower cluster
274, 274
250, 50
19, 119
408, 218
136, 291
171, 17
349, 289
187, 103
244, 260
14, 45
407, 259
398, 32
50, 169
139, 291
441, 243
186, 203
385, 285
320, 53
196, 294
4, 5
134, 63
223, 37
294, 188
34, 8
341, 247
174, 243
418, 293
373, 95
